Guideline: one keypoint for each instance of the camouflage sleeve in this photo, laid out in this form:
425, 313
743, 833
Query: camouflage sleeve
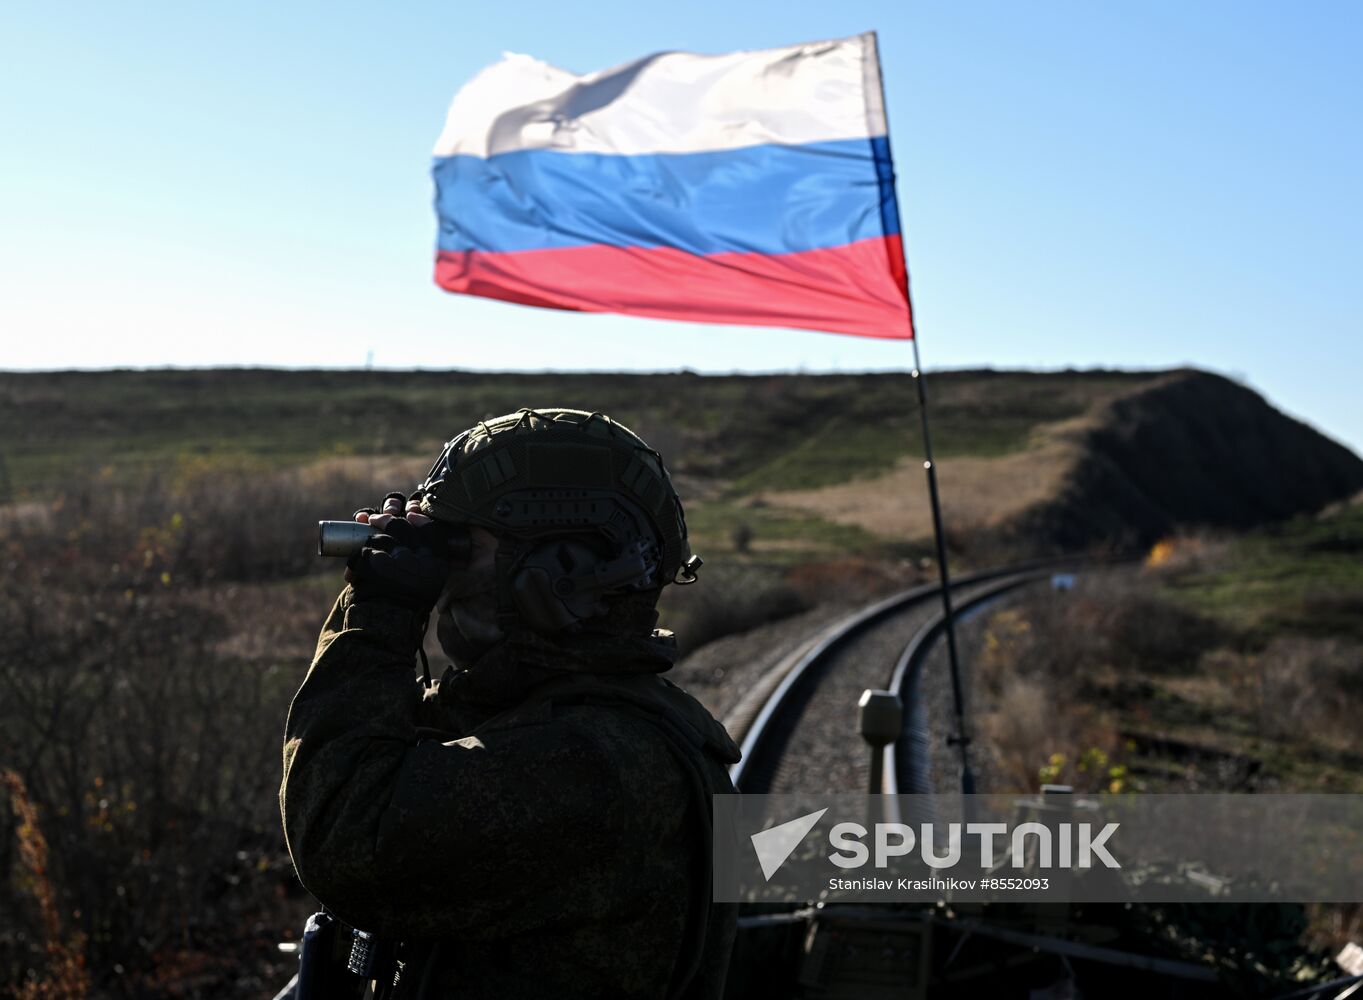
470, 836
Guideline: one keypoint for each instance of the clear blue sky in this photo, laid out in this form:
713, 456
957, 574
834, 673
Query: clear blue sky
1139, 184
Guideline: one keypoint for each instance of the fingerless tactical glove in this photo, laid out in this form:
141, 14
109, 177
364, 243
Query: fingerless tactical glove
407, 564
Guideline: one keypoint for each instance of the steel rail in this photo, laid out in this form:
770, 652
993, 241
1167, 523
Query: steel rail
788, 686
905, 764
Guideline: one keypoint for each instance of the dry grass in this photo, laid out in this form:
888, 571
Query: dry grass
1294, 686
977, 492
1037, 738
324, 475
851, 579
1036, 713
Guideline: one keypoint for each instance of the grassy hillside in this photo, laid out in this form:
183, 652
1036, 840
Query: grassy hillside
785, 467
775, 431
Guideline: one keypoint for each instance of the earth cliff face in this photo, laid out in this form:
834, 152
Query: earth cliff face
1193, 450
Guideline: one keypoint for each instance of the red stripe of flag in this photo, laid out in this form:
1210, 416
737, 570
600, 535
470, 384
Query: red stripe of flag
859, 288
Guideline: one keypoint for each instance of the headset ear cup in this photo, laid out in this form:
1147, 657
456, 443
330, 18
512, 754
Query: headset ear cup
532, 590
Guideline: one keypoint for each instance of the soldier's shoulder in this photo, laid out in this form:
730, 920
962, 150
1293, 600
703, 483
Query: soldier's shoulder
628, 740
655, 700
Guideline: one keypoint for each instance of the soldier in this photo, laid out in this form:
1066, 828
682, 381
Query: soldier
536, 823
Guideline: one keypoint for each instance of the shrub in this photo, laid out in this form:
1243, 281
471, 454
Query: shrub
152, 645
151, 755
1296, 688
850, 580
198, 523
727, 600
1038, 733
1156, 635
1186, 555
64, 977
1033, 683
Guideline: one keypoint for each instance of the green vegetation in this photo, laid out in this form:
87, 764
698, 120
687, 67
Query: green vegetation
781, 536
1304, 576
848, 446
787, 431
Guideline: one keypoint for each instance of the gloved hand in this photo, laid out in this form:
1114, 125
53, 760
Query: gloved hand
409, 558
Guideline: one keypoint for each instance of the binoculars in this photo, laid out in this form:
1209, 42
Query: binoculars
341, 538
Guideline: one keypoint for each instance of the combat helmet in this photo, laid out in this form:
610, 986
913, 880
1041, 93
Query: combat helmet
583, 508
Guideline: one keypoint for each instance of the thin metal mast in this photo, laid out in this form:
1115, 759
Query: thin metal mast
961, 738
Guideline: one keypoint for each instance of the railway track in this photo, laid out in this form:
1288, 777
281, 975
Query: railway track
803, 707
874, 950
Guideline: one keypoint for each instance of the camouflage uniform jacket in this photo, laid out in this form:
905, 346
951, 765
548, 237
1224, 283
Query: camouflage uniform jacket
540, 820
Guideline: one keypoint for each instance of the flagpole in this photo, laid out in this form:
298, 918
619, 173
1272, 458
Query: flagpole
960, 739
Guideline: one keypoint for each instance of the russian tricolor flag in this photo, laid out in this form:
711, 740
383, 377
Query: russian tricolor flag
753, 188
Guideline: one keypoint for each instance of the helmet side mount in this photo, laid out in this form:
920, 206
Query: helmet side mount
562, 581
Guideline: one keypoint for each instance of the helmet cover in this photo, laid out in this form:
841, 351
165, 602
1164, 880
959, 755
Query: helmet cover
557, 472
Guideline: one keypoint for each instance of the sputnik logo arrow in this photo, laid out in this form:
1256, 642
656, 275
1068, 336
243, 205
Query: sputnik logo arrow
773, 846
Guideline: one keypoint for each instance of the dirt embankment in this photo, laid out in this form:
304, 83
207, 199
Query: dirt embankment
1194, 450
1186, 451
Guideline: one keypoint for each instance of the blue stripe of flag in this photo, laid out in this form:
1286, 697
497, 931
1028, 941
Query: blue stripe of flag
770, 199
